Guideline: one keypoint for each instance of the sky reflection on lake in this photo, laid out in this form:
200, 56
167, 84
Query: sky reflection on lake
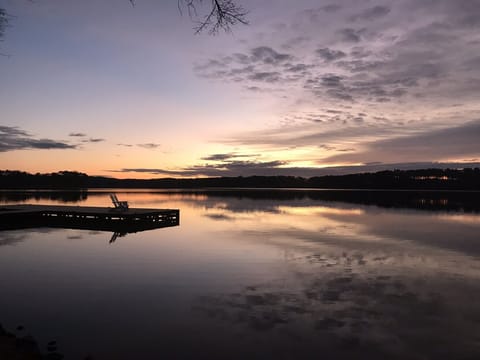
246, 277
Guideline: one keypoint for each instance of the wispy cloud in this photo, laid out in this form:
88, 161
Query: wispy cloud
12, 138
459, 142
227, 156
330, 54
93, 140
371, 14
149, 146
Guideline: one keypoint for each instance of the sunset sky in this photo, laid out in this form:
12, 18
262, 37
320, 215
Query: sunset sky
308, 88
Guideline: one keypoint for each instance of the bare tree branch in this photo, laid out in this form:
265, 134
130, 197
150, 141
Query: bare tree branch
223, 15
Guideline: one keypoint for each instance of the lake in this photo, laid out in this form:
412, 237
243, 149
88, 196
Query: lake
252, 274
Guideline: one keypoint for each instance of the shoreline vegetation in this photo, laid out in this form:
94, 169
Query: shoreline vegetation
425, 179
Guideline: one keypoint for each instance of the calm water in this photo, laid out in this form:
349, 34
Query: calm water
286, 275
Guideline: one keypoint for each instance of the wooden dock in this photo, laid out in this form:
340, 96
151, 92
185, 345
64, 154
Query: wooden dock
89, 218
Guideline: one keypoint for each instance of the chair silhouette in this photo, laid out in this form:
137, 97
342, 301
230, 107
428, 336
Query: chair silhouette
121, 205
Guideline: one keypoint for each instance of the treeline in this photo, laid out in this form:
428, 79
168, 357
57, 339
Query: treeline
427, 179
58, 180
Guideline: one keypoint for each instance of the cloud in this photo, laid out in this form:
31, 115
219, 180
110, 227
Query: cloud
347, 137
330, 54
342, 128
218, 157
265, 76
12, 138
260, 64
459, 142
299, 67
149, 146
331, 85
331, 8
331, 80
267, 55
380, 62
351, 35
227, 156
83, 135
372, 13
93, 140
12, 131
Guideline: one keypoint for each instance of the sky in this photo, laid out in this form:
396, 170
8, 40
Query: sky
307, 88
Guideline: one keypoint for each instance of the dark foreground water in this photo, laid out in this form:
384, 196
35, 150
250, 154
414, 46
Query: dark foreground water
253, 274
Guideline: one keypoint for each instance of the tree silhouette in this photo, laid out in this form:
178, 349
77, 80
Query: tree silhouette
222, 15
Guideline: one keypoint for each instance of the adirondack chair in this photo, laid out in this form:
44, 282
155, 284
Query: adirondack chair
121, 205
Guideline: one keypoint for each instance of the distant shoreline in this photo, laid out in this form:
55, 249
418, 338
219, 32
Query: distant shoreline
426, 179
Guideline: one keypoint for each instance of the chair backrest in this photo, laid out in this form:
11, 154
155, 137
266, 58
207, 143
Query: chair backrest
118, 204
115, 201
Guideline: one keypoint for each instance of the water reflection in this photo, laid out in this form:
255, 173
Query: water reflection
264, 199
347, 315
14, 237
239, 200
43, 196
254, 277
385, 283
9, 238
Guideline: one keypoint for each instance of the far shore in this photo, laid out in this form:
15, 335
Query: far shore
425, 179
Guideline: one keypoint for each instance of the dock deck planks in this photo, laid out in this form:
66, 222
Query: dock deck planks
86, 217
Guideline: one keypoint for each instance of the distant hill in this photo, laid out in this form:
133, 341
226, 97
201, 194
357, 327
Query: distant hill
426, 179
